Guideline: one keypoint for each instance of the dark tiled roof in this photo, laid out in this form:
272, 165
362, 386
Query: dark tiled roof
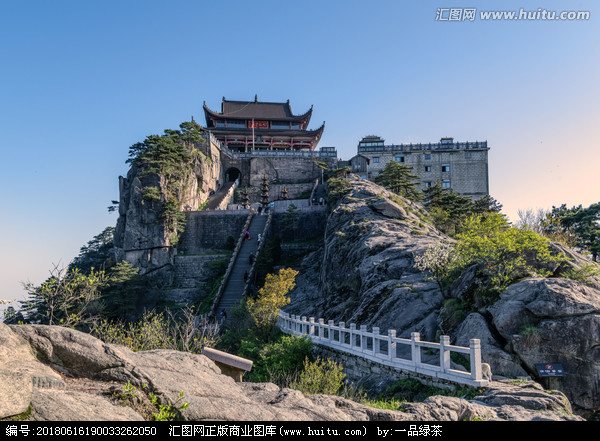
257, 110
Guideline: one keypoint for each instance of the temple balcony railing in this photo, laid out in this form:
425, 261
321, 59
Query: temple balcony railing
476, 145
283, 153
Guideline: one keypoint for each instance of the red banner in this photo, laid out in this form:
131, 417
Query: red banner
258, 124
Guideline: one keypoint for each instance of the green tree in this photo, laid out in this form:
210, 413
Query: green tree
400, 179
501, 250
290, 221
447, 208
122, 291
486, 204
172, 156
584, 223
337, 188
97, 253
67, 298
271, 298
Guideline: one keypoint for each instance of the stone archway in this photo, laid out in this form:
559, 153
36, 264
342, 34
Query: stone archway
232, 174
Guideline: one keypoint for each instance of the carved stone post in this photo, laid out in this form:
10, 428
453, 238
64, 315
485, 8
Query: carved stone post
363, 338
376, 348
415, 349
330, 331
391, 344
444, 353
475, 346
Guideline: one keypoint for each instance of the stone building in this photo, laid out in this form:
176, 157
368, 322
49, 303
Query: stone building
460, 166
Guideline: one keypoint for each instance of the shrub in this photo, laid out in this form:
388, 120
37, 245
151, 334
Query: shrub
502, 251
271, 298
531, 335
159, 331
320, 377
438, 261
277, 361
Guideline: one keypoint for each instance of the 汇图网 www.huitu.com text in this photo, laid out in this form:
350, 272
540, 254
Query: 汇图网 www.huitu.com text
471, 14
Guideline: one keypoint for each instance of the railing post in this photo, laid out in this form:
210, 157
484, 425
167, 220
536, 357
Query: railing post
330, 331
363, 338
391, 344
311, 327
303, 325
376, 348
475, 346
444, 353
352, 334
415, 348
341, 336
321, 329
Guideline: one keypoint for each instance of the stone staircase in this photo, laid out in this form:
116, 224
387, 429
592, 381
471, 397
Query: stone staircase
216, 200
234, 289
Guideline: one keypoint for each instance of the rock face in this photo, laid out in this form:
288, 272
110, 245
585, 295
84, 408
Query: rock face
364, 274
62, 374
140, 236
365, 269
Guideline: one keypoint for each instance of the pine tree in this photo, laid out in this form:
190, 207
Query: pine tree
400, 179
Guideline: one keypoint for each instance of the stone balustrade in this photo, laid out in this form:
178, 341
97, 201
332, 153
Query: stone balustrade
389, 350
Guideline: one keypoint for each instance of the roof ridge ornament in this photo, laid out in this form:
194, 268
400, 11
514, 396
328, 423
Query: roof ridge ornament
256, 98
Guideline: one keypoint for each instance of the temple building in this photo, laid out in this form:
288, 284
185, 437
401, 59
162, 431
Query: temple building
460, 166
245, 126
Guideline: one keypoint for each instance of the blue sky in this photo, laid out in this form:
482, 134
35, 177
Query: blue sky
81, 81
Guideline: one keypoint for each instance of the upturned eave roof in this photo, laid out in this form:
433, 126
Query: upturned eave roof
259, 110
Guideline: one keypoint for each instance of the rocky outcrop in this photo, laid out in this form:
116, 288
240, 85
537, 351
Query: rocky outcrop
364, 274
366, 271
141, 236
60, 374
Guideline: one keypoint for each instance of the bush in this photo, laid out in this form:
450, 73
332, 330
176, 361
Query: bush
271, 298
502, 250
320, 377
159, 331
277, 361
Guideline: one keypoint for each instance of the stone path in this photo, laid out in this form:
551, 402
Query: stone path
215, 200
235, 285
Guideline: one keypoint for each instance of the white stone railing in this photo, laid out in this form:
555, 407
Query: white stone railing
386, 349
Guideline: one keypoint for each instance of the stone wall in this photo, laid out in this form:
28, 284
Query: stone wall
310, 225
208, 230
285, 170
294, 191
361, 371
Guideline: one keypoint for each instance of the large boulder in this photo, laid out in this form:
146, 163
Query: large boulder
555, 321
59, 374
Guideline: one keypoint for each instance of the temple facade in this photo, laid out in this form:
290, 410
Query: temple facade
460, 166
246, 126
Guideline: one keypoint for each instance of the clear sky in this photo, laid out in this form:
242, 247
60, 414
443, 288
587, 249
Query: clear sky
81, 81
